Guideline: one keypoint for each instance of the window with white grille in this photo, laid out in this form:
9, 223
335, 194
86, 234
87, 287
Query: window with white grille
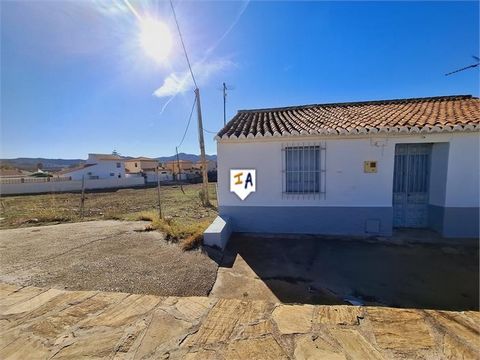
303, 168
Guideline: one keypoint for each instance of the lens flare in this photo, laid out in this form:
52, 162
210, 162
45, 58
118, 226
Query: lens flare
155, 39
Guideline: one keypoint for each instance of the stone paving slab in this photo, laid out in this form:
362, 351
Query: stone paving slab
40, 323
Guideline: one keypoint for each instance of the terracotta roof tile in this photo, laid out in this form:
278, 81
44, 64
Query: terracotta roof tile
446, 113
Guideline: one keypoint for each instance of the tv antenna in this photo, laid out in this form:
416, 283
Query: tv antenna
224, 89
466, 67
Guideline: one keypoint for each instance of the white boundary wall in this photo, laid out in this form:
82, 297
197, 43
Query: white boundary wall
72, 185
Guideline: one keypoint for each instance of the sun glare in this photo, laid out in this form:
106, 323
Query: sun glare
155, 39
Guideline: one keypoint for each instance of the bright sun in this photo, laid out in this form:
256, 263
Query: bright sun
155, 39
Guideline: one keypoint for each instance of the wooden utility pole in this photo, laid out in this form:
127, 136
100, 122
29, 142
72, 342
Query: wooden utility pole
202, 149
199, 114
158, 194
179, 173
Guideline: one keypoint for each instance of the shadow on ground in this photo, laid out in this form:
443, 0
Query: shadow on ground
328, 270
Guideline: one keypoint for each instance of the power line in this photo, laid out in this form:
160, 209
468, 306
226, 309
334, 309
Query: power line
183, 44
188, 123
205, 199
208, 131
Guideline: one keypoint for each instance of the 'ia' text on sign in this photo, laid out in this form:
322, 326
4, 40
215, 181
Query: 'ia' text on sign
243, 182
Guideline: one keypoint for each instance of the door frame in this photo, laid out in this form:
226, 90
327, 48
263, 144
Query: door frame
417, 210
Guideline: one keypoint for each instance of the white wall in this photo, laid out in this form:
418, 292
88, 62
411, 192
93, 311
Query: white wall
103, 170
65, 186
438, 173
463, 177
346, 183
152, 176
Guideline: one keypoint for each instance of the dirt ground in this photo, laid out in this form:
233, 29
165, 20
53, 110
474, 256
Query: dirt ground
123, 204
103, 255
324, 270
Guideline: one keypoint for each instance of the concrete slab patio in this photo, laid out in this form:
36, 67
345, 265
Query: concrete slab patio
103, 255
40, 323
326, 270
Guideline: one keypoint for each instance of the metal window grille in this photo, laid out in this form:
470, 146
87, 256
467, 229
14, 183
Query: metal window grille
303, 170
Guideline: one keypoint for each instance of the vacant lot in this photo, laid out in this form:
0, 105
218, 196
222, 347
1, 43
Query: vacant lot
103, 255
125, 204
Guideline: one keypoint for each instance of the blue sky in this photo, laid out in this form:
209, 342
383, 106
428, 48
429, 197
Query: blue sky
74, 80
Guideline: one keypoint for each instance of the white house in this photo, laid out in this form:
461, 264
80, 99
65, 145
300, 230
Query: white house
101, 171
362, 168
98, 166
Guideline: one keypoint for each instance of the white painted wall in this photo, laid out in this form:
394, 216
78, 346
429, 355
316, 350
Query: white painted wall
103, 169
163, 175
346, 183
438, 173
65, 186
463, 178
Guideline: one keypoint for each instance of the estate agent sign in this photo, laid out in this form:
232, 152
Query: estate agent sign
242, 182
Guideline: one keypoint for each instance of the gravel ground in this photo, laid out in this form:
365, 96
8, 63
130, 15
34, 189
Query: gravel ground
103, 255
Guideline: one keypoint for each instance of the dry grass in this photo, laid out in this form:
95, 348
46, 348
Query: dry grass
192, 242
124, 204
147, 216
187, 217
50, 216
190, 236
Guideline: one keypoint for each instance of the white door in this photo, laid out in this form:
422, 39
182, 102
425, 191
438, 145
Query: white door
411, 185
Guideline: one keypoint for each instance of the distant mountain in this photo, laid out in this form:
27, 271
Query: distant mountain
183, 156
33, 163
57, 164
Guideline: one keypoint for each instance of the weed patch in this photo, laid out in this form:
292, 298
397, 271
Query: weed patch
49, 216
190, 236
193, 241
147, 216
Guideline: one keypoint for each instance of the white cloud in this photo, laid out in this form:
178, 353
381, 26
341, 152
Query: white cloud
177, 83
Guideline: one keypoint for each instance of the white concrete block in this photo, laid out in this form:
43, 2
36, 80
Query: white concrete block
218, 233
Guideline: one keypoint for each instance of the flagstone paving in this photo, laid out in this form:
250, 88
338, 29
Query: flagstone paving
38, 323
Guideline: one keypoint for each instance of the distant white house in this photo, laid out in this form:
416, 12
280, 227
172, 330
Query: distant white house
97, 166
363, 168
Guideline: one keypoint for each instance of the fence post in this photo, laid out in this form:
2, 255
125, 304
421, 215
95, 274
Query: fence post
179, 172
82, 200
158, 195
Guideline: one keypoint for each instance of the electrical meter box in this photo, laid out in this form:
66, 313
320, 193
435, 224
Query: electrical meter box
370, 166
